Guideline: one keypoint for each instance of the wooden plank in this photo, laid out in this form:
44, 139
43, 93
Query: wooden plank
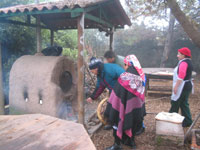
154, 76
94, 129
159, 92
160, 89
42, 132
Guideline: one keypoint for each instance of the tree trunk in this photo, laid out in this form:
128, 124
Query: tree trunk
168, 42
191, 30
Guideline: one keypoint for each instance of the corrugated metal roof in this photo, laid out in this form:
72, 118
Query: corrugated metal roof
50, 5
57, 15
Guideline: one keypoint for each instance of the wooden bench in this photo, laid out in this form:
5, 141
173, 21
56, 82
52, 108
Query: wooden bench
162, 74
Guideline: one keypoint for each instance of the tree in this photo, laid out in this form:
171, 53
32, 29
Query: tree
66, 38
97, 41
142, 41
168, 42
155, 7
188, 24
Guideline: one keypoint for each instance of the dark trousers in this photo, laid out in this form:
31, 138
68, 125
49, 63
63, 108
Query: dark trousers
182, 103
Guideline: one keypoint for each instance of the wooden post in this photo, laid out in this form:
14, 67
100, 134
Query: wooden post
147, 85
80, 25
28, 19
111, 39
1, 87
52, 37
38, 32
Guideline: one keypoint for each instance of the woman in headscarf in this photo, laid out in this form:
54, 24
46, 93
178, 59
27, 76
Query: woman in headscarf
182, 85
126, 105
107, 75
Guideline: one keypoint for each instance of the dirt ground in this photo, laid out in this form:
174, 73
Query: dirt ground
155, 103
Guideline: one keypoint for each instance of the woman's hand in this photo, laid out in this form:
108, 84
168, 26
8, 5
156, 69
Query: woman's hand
89, 100
178, 82
175, 89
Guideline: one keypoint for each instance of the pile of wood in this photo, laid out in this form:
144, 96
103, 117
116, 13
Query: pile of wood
93, 124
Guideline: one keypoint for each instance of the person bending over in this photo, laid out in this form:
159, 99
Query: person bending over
126, 105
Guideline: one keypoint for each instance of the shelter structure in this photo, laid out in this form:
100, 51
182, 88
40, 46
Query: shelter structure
105, 15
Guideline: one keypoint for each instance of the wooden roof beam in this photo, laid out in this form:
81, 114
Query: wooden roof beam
21, 23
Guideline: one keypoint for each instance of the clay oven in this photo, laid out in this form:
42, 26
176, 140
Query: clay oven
44, 84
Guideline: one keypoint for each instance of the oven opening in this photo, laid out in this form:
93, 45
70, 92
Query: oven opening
65, 81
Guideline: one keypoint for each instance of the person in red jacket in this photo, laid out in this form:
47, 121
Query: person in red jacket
182, 85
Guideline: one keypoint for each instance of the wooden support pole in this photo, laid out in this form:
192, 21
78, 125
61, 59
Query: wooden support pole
111, 39
188, 133
80, 25
111, 42
38, 32
52, 37
28, 19
2, 112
